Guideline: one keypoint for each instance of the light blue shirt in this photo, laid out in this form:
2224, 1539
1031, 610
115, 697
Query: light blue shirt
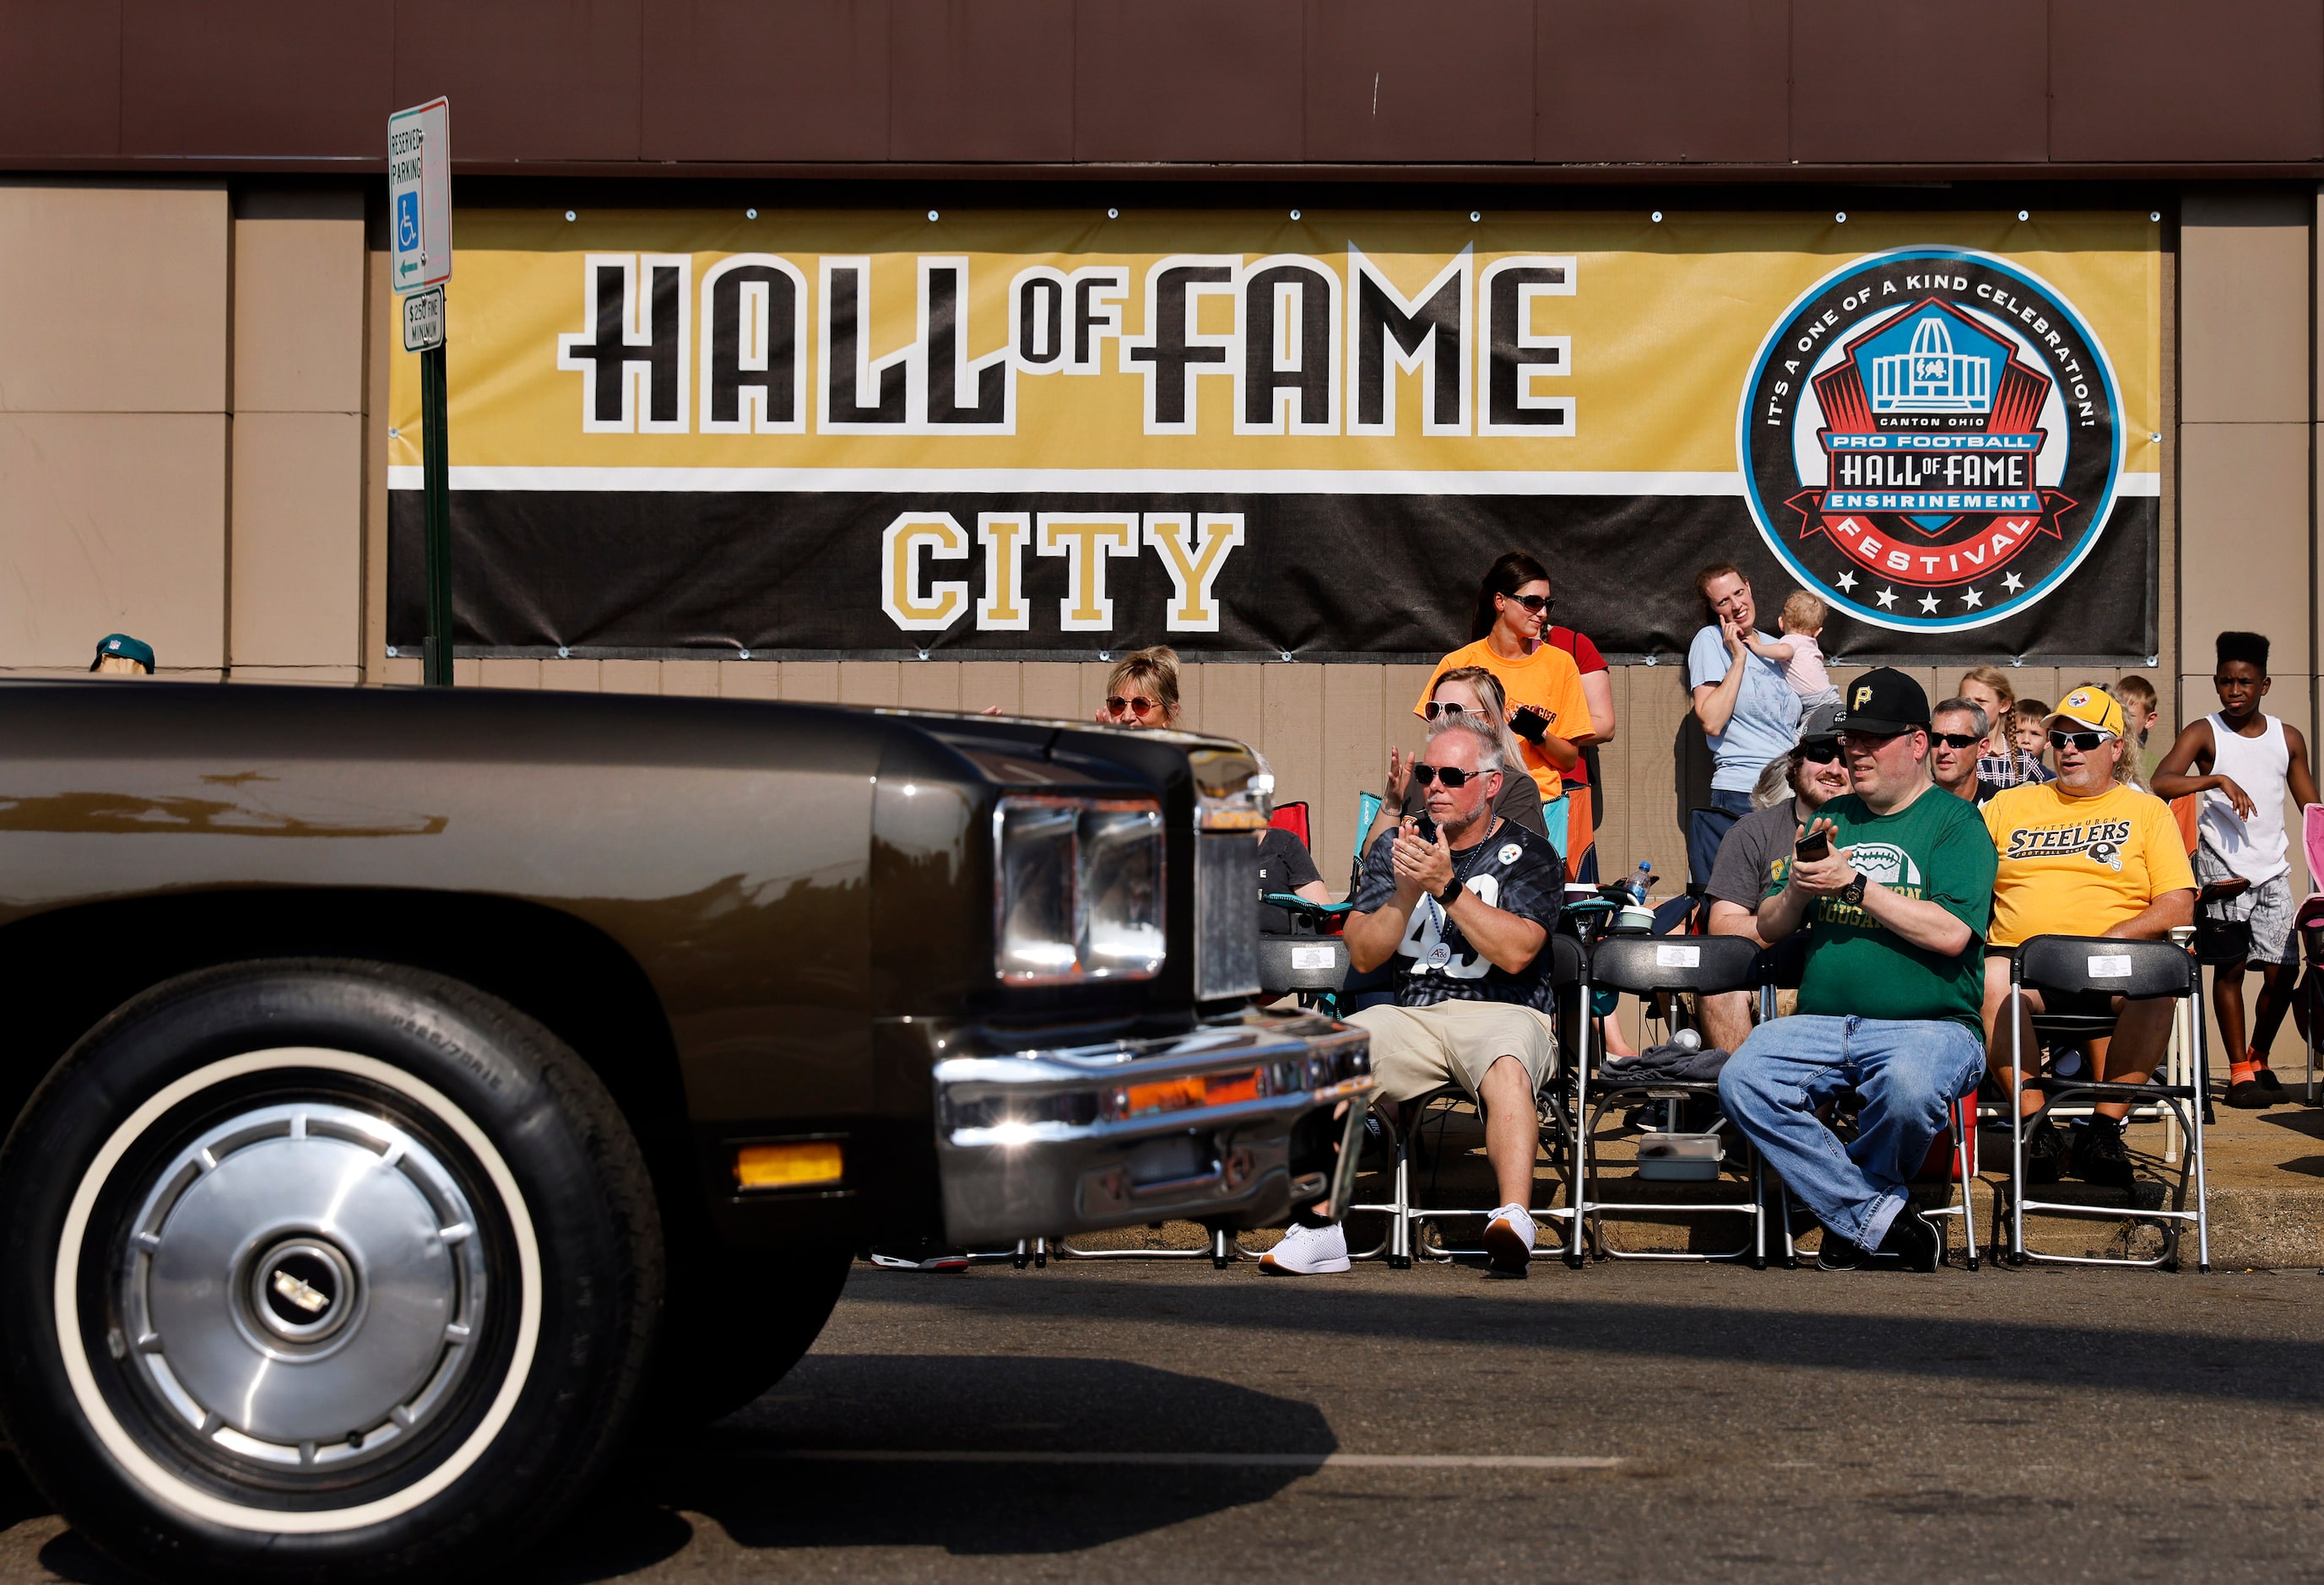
1766, 718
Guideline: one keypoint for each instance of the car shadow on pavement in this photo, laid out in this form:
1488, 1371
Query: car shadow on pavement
756, 1473
1561, 1313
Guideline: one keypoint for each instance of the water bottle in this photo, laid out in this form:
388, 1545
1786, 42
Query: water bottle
1688, 1038
1635, 918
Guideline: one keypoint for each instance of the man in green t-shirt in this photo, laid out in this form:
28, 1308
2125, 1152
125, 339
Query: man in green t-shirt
1896, 914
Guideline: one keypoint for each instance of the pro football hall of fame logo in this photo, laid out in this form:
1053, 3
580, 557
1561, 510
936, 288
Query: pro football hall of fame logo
1930, 438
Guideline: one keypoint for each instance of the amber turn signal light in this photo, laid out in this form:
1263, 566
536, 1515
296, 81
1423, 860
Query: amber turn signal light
787, 1166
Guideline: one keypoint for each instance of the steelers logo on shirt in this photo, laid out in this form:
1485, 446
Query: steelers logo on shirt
1510, 853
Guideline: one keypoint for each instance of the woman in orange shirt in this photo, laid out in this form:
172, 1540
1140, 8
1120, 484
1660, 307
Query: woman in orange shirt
1547, 708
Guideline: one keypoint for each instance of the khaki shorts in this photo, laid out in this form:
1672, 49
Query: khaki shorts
1418, 1049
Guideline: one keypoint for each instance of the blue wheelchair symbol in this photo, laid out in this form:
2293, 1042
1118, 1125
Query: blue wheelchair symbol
406, 223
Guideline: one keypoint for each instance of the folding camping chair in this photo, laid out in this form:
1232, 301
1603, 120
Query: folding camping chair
1951, 1158
1568, 973
2067, 966
1646, 966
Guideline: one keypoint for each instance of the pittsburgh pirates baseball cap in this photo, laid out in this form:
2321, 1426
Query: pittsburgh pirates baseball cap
1883, 701
2091, 707
126, 647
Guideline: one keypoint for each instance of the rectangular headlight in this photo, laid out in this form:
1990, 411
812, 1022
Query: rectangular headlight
1078, 889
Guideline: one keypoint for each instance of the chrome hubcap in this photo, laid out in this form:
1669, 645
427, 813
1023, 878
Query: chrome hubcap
303, 1284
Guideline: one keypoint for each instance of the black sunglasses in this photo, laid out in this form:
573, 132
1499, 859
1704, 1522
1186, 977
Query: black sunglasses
1820, 753
1432, 710
1532, 601
1452, 776
2087, 742
1956, 740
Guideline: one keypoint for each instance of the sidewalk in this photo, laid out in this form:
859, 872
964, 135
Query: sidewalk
2267, 1177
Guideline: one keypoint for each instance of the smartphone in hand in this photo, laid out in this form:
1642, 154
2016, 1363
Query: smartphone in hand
1814, 847
1530, 722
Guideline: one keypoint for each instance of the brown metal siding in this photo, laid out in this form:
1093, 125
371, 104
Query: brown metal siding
233, 77
1669, 82
1387, 80
1814, 87
744, 79
1913, 84
60, 77
982, 80
529, 80
1187, 80
2186, 79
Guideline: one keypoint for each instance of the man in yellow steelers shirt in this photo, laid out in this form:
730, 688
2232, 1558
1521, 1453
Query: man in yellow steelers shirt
2086, 854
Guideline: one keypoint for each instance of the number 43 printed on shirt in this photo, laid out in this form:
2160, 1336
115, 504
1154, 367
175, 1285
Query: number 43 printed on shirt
1423, 938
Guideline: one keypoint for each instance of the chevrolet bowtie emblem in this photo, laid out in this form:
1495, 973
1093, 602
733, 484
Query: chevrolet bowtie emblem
306, 1296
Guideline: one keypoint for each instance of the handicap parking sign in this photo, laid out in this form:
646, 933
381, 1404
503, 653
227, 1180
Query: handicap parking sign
420, 196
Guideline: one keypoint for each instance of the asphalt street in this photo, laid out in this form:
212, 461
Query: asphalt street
1144, 1422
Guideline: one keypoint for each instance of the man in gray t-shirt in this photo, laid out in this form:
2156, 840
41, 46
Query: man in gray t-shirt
1758, 851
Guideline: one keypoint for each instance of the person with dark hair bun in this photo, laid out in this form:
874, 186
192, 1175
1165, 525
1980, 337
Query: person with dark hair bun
1549, 709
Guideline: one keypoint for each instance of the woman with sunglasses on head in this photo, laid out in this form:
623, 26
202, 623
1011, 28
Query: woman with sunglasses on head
1548, 707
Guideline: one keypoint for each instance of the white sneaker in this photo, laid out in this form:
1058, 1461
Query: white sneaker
1306, 1250
1509, 1239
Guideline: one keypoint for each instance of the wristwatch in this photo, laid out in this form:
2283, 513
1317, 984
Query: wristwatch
1452, 892
1852, 894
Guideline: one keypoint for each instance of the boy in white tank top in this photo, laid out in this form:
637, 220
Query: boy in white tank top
2242, 763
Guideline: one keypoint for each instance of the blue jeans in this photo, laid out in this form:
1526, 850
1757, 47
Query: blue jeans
1908, 1074
1707, 828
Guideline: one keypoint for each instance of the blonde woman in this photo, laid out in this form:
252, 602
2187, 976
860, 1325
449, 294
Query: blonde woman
1472, 691
1142, 692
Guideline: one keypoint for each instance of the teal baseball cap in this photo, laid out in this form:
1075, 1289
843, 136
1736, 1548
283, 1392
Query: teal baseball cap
126, 647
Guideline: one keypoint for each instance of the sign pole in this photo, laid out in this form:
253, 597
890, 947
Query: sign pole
420, 223
436, 490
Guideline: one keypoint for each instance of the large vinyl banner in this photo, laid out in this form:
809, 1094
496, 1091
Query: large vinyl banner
989, 434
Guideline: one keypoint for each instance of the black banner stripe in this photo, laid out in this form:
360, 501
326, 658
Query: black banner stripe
1383, 577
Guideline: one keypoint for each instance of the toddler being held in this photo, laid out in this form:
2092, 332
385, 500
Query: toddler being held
1801, 624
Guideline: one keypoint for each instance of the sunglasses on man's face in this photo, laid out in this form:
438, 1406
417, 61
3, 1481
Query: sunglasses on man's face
1536, 603
1956, 740
1136, 705
2087, 742
1452, 776
1434, 709
1820, 753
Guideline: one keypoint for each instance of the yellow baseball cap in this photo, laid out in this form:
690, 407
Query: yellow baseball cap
2092, 707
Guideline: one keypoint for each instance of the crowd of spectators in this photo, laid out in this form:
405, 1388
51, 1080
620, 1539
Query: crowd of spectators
1897, 853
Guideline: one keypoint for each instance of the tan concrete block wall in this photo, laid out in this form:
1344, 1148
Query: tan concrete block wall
296, 596
114, 297
2247, 318
296, 600
113, 522
114, 442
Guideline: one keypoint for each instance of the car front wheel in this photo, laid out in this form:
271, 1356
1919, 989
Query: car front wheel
314, 1269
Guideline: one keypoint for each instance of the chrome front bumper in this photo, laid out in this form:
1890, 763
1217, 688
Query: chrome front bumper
1231, 1122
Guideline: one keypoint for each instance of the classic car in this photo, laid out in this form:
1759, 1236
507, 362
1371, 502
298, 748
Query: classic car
412, 1089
